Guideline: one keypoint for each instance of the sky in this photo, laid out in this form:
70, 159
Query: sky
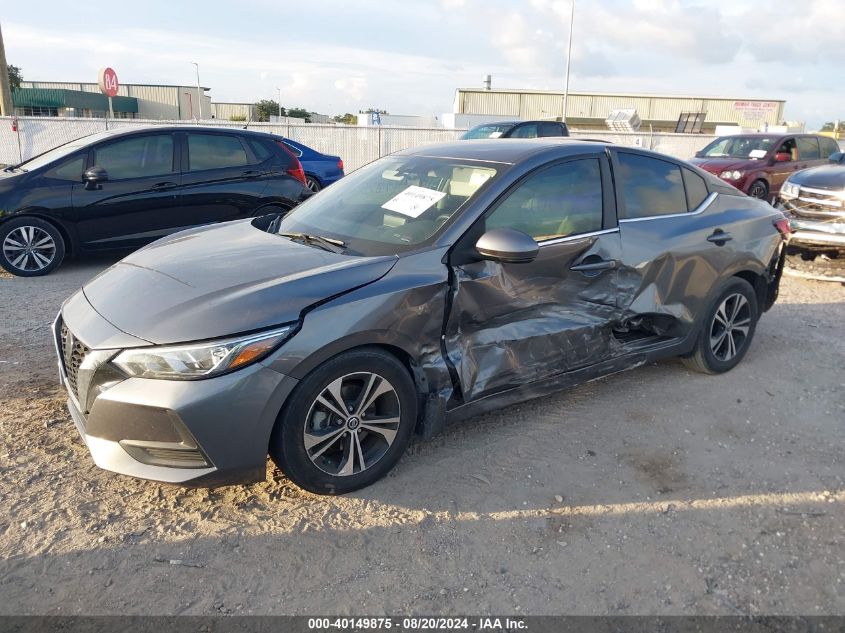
409, 56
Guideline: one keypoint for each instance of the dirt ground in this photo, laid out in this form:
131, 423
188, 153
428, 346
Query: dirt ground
655, 491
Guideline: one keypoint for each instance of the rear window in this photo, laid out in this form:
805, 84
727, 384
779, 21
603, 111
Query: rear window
215, 151
650, 187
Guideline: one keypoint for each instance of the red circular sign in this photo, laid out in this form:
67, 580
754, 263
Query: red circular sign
108, 82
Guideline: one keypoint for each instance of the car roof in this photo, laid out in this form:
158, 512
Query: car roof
174, 128
505, 150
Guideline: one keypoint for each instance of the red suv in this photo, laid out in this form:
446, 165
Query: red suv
758, 164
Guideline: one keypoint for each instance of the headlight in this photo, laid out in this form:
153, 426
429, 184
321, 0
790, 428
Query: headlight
789, 191
200, 360
731, 175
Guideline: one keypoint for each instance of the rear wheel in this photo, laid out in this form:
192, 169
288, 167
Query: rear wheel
30, 247
313, 184
347, 423
727, 329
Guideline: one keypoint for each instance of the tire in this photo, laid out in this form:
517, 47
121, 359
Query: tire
759, 189
320, 461
720, 349
313, 184
30, 247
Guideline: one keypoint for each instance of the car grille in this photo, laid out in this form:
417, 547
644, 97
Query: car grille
819, 205
73, 352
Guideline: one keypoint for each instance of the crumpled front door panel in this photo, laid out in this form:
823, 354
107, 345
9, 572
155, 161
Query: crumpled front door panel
512, 324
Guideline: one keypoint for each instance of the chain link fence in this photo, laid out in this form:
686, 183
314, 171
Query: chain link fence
25, 137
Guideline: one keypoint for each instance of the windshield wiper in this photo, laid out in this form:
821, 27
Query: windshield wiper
326, 243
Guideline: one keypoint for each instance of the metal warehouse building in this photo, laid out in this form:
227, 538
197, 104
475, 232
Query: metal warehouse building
134, 101
589, 110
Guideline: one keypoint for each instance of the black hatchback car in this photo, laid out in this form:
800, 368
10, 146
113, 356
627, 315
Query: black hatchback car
123, 189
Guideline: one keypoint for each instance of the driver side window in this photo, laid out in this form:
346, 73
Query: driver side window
556, 201
789, 147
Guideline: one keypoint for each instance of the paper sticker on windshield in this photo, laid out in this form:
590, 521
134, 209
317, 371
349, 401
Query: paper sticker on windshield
757, 153
413, 201
495, 134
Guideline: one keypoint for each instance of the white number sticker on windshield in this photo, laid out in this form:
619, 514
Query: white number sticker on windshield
413, 201
757, 153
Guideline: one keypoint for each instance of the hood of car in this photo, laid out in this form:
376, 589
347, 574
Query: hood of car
217, 281
718, 165
822, 177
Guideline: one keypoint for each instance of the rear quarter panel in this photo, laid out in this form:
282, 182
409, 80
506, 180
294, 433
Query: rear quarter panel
670, 269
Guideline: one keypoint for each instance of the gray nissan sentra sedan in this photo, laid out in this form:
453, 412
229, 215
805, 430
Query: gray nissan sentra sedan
431, 285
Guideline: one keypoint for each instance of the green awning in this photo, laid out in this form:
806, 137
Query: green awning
59, 98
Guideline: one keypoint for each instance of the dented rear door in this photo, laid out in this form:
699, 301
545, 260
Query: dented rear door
512, 324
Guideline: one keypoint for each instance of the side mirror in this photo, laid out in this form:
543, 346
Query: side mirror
699, 154
837, 157
507, 246
783, 157
94, 176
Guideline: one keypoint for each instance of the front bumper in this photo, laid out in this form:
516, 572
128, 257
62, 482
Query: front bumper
202, 432
813, 225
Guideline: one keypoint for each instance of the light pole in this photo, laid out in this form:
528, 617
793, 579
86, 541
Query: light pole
199, 93
280, 104
568, 62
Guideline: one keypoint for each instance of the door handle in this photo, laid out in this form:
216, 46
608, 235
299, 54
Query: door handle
594, 265
719, 237
251, 173
164, 186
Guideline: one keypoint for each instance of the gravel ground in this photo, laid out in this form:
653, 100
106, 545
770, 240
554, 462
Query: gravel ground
655, 491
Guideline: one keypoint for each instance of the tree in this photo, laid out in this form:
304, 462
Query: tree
828, 127
348, 119
15, 77
266, 108
300, 113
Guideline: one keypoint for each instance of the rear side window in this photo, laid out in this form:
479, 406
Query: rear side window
696, 188
808, 148
215, 151
550, 129
650, 187
829, 146
260, 148
138, 157
294, 150
528, 130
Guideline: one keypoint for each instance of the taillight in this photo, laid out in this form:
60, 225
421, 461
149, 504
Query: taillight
340, 164
295, 168
783, 227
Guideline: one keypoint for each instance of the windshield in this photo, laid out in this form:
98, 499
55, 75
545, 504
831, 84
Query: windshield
392, 205
61, 151
487, 131
754, 147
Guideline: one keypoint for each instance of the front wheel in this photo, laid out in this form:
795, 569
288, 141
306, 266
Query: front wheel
727, 329
30, 247
759, 189
347, 423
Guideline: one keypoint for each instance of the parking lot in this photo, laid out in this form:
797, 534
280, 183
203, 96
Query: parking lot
655, 491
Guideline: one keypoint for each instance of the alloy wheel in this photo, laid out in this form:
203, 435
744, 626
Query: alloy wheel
352, 423
730, 327
758, 190
312, 184
29, 248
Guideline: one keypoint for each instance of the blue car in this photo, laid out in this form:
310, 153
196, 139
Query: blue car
321, 170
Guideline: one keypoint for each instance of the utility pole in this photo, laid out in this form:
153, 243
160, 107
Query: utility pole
5, 88
280, 104
199, 91
568, 62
